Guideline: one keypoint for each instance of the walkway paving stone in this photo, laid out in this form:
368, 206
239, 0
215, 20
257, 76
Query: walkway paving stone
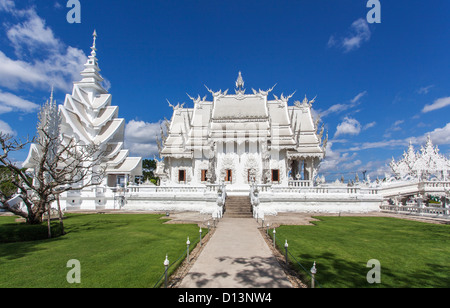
236, 256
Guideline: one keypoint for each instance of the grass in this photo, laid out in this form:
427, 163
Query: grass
411, 254
115, 251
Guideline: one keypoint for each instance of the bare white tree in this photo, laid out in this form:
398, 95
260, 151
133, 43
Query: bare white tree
60, 164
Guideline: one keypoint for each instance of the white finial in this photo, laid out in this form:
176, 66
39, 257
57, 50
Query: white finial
95, 36
93, 53
240, 84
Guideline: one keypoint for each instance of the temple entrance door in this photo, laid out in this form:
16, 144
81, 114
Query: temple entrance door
228, 176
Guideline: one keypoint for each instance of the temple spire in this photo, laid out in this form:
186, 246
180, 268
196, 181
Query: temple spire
94, 49
91, 73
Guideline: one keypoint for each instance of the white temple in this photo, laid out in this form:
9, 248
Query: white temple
254, 146
235, 144
239, 139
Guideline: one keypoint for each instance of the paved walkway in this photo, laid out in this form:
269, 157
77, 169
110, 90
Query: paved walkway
236, 256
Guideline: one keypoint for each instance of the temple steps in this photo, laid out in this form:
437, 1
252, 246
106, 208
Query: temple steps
238, 207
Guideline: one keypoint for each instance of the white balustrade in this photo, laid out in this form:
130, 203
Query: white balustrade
414, 209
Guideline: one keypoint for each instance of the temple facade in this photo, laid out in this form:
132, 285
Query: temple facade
239, 139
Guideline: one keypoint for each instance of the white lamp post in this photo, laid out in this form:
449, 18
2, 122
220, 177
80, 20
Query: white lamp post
188, 243
274, 234
286, 245
313, 274
166, 265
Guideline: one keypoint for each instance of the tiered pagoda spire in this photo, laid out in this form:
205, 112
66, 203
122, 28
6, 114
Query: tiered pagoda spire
89, 117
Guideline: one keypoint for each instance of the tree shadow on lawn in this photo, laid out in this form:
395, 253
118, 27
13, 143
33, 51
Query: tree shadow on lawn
19, 239
334, 272
20, 249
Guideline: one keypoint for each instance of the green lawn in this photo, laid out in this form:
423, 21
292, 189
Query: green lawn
113, 250
411, 254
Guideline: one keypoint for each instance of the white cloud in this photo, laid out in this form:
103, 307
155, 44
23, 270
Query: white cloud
6, 5
10, 102
332, 160
379, 144
358, 34
378, 168
358, 97
369, 125
437, 104
32, 34
441, 135
140, 138
349, 126
42, 59
351, 165
337, 108
6, 129
15, 72
393, 128
425, 90
338, 163
345, 161
438, 136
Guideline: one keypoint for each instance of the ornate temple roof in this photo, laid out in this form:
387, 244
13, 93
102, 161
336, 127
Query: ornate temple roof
239, 117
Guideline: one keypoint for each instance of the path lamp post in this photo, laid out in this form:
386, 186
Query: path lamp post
166, 265
188, 243
262, 223
274, 234
208, 227
286, 245
313, 274
200, 236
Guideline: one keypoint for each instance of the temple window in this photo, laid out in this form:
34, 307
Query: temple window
228, 176
181, 176
204, 178
275, 175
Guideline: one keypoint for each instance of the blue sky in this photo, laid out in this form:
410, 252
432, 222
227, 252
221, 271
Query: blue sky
378, 86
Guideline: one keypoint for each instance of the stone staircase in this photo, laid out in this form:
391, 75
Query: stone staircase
238, 207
